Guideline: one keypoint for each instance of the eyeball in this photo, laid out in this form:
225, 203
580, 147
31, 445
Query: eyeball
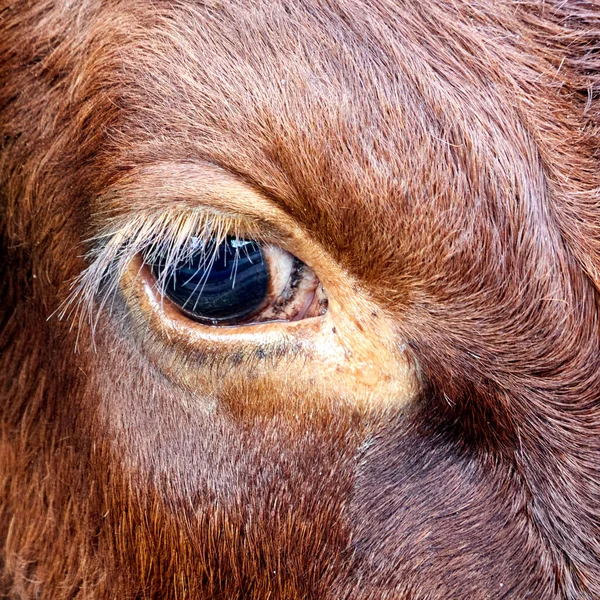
235, 281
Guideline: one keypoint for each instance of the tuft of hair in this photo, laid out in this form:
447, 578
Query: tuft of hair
171, 237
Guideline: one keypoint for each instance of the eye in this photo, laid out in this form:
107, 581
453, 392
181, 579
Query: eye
235, 281
226, 283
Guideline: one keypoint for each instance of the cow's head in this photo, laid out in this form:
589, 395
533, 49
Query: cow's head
300, 299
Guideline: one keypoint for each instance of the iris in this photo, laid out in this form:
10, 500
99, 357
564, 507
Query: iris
223, 283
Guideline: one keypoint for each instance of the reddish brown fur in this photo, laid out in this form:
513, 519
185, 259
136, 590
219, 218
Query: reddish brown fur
446, 154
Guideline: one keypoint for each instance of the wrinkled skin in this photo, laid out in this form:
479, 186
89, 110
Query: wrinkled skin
437, 433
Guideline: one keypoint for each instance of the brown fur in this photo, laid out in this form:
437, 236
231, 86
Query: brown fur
446, 154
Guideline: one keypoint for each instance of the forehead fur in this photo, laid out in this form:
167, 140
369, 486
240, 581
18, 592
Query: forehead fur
417, 120
335, 113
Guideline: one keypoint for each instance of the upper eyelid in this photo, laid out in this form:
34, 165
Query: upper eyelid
168, 190
188, 185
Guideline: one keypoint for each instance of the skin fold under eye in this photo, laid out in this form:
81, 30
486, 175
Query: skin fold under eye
207, 289
234, 281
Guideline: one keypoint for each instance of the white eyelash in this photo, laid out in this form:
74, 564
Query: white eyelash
172, 237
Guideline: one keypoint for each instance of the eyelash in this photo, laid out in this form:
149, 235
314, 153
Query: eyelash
121, 241
153, 236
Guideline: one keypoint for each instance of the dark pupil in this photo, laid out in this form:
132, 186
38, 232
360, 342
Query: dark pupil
224, 283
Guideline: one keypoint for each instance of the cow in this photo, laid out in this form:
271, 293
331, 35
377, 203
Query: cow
300, 299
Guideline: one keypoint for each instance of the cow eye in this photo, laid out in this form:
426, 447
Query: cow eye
236, 281
226, 283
